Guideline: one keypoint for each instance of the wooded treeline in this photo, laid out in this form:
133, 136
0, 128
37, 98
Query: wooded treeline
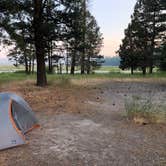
144, 44
44, 31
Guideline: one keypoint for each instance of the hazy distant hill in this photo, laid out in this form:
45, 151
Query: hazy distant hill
112, 61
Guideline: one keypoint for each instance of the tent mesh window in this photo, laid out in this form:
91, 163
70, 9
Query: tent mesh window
23, 119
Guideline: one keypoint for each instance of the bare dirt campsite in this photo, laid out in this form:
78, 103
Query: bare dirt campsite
84, 122
82, 83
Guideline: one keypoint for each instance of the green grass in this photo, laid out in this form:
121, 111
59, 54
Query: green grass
10, 68
114, 72
114, 69
110, 69
20, 75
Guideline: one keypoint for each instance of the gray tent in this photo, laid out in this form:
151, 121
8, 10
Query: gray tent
16, 119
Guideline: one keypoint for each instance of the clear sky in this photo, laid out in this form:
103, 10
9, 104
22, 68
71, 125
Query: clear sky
113, 17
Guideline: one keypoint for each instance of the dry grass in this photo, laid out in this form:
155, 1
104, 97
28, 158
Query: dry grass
58, 97
145, 110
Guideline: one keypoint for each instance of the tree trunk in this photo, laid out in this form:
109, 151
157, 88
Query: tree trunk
30, 66
132, 70
50, 68
33, 64
67, 63
26, 63
151, 61
49, 63
73, 63
88, 65
151, 69
41, 71
60, 68
83, 63
144, 70
39, 44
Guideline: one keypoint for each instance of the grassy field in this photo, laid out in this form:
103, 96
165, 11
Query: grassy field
104, 69
16, 76
116, 69
110, 69
10, 68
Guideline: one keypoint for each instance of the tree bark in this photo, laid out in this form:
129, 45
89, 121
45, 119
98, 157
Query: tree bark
83, 63
50, 68
73, 60
151, 69
26, 63
67, 63
88, 65
132, 70
33, 63
144, 70
30, 66
60, 66
49, 62
39, 44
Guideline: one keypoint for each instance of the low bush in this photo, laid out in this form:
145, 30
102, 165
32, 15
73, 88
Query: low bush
144, 110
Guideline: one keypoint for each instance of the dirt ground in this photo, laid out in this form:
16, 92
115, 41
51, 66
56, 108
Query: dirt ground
84, 124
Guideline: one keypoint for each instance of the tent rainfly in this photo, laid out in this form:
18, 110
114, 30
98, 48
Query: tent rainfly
16, 119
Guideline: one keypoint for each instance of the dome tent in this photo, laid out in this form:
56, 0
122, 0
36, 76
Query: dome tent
16, 119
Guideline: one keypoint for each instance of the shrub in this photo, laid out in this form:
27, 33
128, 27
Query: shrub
144, 111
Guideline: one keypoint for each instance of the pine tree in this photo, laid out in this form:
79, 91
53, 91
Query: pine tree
162, 57
82, 35
133, 51
93, 44
153, 11
72, 34
128, 51
148, 30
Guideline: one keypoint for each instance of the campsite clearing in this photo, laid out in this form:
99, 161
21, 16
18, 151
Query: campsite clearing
83, 122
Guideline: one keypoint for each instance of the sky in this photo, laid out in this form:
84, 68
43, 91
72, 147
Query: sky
113, 17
